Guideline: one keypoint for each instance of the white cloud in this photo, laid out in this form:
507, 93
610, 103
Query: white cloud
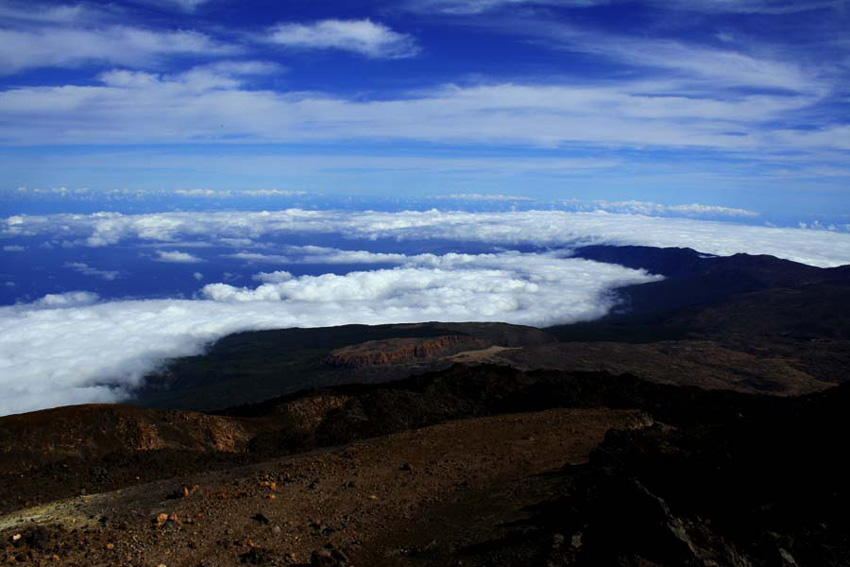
541, 228
224, 193
186, 5
752, 6
480, 197
473, 7
359, 36
177, 257
133, 107
115, 45
648, 208
324, 255
198, 276
68, 349
72, 348
695, 69
84, 268
65, 300
13, 248
44, 14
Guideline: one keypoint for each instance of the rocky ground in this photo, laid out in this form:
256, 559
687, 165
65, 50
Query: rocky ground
398, 500
475, 466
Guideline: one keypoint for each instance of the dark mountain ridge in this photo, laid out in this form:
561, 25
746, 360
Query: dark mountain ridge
693, 278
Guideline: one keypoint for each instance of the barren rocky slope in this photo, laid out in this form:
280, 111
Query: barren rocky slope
685, 477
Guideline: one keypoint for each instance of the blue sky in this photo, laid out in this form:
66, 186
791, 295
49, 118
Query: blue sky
735, 103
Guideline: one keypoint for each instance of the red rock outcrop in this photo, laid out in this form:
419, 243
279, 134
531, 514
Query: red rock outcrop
399, 351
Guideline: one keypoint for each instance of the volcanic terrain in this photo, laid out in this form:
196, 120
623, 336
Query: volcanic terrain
698, 425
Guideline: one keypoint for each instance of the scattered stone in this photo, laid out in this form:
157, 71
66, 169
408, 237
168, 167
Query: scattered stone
329, 557
557, 541
256, 556
110, 546
167, 522
373, 497
406, 467
261, 518
787, 559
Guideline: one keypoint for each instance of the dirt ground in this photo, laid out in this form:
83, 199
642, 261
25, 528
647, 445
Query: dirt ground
413, 498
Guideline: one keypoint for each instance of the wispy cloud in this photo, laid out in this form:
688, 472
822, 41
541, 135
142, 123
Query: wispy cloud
87, 270
115, 45
691, 67
363, 37
35, 13
185, 5
775, 7
480, 197
177, 257
473, 7
648, 208
137, 107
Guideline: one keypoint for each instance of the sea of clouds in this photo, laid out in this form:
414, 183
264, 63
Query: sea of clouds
74, 347
539, 228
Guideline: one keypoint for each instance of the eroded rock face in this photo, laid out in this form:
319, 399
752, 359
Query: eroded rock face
399, 351
92, 431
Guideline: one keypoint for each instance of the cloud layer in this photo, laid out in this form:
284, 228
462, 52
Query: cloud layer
539, 228
68, 348
73, 348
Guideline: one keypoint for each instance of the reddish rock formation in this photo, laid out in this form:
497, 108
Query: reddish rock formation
399, 351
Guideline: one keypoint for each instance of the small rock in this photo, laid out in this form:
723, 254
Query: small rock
256, 556
261, 518
373, 497
557, 540
575, 541
329, 557
406, 467
110, 546
787, 559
